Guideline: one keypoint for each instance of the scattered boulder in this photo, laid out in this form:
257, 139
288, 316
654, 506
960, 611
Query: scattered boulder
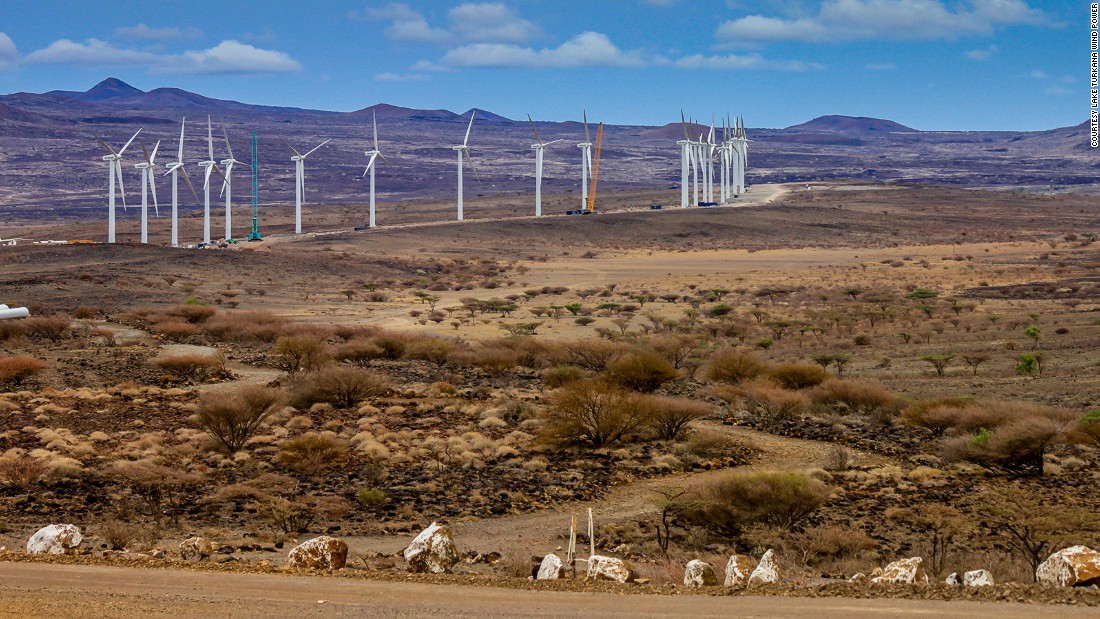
906, 571
196, 549
55, 539
551, 568
978, 578
767, 571
433, 550
1076, 566
699, 574
952, 579
319, 553
608, 568
858, 577
738, 569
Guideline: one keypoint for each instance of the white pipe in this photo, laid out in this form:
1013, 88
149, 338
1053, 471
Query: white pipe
15, 312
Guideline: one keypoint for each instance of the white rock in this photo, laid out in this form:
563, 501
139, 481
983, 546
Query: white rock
907, 571
608, 568
433, 550
858, 577
978, 578
1076, 565
738, 569
952, 579
196, 549
54, 539
550, 568
699, 574
319, 553
767, 571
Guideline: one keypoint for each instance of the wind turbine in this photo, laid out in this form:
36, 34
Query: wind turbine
147, 184
685, 161
114, 167
538, 166
374, 154
210, 166
464, 151
586, 162
299, 161
174, 169
227, 186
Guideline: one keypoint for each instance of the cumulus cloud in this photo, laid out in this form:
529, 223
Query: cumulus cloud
984, 53
226, 57
849, 20
747, 62
588, 49
8, 53
148, 33
471, 22
93, 52
401, 77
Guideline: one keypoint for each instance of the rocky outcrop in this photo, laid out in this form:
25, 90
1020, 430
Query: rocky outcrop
608, 568
952, 579
1076, 566
699, 574
767, 571
55, 539
195, 549
738, 569
432, 551
907, 571
550, 569
319, 553
978, 578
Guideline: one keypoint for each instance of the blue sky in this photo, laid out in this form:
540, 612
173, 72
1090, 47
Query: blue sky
929, 64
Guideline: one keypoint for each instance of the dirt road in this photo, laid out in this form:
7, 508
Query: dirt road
49, 590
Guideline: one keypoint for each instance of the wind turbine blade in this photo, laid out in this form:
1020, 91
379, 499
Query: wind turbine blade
187, 178
588, 160
316, 147
537, 136
227, 146
219, 171
374, 121
183, 124
472, 166
303, 180
128, 143
153, 188
209, 138
289, 146
227, 177
104, 145
471, 126
683, 125
144, 152
153, 157
369, 164
387, 161
554, 142
587, 136
121, 189
206, 183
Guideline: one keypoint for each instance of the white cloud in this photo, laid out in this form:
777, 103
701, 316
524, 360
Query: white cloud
588, 49
231, 57
1057, 91
148, 33
660, 3
91, 52
1039, 75
982, 54
408, 25
747, 61
401, 77
882, 66
849, 20
8, 53
490, 23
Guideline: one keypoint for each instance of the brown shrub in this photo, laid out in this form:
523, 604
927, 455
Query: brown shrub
195, 367
783, 499
495, 360
312, 453
669, 417
358, 352
798, 375
278, 500
561, 375
393, 345
231, 418
430, 349
640, 370
342, 386
245, 326
162, 488
17, 369
304, 352
11, 329
593, 355
937, 415
175, 330
731, 366
590, 412
22, 471
773, 404
1006, 437
193, 313
52, 328
849, 397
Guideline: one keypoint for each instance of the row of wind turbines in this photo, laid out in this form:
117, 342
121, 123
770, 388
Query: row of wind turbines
698, 156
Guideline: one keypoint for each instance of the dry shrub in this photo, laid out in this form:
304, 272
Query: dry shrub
393, 345
358, 352
593, 355
773, 404
640, 370
195, 367
833, 549
10, 330
233, 417
17, 369
430, 349
176, 330
342, 386
937, 415
1006, 437
1086, 430
312, 453
849, 397
193, 313
22, 471
732, 366
303, 352
561, 375
278, 500
590, 412
670, 417
245, 326
798, 375
52, 328
162, 488
118, 534
782, 499
494, 360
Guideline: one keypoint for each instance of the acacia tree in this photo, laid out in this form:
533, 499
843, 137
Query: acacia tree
939, 362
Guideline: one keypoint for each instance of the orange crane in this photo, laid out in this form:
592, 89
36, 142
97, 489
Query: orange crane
595, 171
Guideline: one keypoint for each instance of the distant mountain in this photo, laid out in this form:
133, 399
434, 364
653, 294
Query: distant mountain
384, 110
14, 114
486, 115
110, 88
851, 124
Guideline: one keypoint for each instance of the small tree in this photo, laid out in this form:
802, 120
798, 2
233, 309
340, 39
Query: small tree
231, 418
299, 352
975, 359
1034, 333
939, 362
1028, 364
940, 523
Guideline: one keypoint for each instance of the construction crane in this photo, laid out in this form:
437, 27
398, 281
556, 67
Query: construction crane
595, 171
255, 235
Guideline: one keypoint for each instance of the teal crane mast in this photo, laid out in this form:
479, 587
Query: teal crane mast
255, 235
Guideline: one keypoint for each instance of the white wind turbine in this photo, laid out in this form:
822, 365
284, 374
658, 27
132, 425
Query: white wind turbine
464, 151
586, 162
227, 186
210, 166
114, 167
374, 155
175, 169
685, 161
538, 166
708, 171
147, 184
741, 149
299, 161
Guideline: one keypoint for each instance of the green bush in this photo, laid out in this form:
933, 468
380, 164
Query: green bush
371, 497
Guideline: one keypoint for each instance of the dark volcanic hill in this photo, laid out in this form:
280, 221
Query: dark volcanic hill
851, 124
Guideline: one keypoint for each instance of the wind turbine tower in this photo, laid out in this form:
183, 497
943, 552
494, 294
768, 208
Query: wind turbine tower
685, 161
146, 185
538, 148
299, 161
175, 169
464, 151
210, 166
114, 165
227, 186
586, 162
374, 155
